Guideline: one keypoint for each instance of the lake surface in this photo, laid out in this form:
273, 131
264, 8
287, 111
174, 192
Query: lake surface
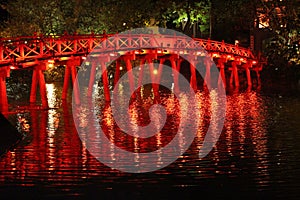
257, 155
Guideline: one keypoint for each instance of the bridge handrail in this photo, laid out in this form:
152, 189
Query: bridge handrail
10, 47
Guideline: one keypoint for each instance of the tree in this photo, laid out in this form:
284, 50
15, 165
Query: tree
127, 14
84, 16
281, 19
53, 17
189, 17
232, 20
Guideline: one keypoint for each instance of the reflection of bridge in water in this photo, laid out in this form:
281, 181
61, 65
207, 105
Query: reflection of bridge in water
38, 53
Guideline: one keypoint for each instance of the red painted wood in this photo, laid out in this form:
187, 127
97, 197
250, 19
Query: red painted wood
193, 81
76, 94
21, 52
117, 72
92, 79
207, 79
105, 82
130, 75
34, 84
222, 77
66, 82
43, 91
235, 74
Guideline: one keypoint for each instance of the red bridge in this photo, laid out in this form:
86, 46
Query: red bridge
38, 53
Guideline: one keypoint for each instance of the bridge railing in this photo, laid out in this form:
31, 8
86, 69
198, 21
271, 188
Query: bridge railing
23, 49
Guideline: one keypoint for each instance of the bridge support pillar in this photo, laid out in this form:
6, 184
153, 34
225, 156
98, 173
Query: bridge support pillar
105, 81
38, 78
141, 74
207, 63
222, 77
153, 76
248, 75
193, 80
92, 78
4, 73
75, 85
71, 71
130, 74
117, 73
175, 67
66, 82
234, 75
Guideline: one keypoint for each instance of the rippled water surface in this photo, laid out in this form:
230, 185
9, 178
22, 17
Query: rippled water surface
256, 156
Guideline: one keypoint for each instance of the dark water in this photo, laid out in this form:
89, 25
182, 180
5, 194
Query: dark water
257, 155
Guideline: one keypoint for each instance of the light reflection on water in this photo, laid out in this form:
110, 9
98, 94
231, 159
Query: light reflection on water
252, 153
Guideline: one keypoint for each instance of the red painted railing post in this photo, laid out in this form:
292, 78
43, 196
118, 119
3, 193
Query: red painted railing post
208, 44
223, 46
59, 46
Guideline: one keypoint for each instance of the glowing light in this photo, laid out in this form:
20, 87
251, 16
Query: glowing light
254, 62
51, 64
155, 71
215, 55
64, 58
199, 53
121, 68
83, 57
159, 51
12, 67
